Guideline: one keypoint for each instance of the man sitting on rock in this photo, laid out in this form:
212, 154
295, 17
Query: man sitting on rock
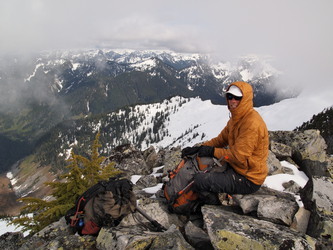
243, 144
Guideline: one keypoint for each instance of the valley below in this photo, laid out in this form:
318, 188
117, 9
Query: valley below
8, 199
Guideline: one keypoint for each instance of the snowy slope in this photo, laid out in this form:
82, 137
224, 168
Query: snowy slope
208, 119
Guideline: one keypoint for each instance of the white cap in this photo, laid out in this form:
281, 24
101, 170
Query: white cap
234, 90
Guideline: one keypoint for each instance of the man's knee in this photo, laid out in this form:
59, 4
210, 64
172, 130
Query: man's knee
201, 182
210, 182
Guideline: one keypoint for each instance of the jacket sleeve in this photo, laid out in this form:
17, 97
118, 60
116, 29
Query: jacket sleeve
243, 148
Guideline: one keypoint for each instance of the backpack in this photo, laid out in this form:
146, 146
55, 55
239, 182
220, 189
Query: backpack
180, 197
104, 204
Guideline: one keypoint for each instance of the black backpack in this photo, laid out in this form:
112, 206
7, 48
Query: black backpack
104, 204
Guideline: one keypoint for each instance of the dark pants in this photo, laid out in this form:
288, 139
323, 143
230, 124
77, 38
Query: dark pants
228, 182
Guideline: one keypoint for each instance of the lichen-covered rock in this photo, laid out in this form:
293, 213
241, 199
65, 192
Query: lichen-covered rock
277, 210
308, 150
56, 236
280, 150
135, 237
56, 229
70, 242
11, 241
229, 230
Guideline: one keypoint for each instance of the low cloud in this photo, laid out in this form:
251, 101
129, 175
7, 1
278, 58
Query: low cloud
296, 34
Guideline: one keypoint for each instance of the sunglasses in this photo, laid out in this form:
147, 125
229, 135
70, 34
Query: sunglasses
230, 97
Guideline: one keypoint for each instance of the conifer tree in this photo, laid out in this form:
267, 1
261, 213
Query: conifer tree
83, 173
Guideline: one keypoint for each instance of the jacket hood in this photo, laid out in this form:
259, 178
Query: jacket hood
246, 104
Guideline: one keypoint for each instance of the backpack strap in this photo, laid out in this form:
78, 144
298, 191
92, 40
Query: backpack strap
77, 215
83, 200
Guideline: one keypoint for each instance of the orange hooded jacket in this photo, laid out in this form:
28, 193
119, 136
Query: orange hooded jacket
244, 141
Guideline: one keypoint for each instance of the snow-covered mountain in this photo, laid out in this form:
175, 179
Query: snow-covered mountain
61, 73
43, 90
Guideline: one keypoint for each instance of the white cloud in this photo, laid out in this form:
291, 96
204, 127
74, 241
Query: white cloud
297, 34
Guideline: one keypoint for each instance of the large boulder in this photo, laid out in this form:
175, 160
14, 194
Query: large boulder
317, 196
137, 238
280, 150
270, 205
308, 150
229, 230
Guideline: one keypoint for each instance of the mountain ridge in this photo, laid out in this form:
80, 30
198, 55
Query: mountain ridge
40, 92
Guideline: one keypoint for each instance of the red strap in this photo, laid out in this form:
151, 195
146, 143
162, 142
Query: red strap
75, 219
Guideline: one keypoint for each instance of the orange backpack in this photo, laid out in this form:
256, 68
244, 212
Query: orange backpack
181, 199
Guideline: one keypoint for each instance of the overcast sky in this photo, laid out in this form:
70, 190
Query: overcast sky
296, 34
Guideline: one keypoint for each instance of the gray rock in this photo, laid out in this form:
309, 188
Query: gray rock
58, 228
152, 158
310, 145
145, 181
130, 160
11, 241
57, 235
308, 150
228, 230
280, 150
291, 187
171, 239
286, 170
301, 220
250, 202
317, 198
277, 210
171, 159
70, 242
319, 190
119, 238
197, 237
274, 165
154, 210
135, 238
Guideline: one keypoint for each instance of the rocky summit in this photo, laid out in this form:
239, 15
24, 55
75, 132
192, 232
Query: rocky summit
295, 218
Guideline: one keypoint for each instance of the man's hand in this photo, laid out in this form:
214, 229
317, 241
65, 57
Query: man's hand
189, 151
206, 151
